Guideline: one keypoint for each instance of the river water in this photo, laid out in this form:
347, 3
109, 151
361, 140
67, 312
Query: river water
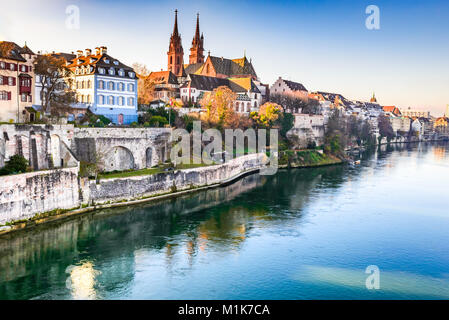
300, 234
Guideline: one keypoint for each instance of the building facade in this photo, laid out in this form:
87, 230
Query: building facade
286, 87
17, 82
104, 84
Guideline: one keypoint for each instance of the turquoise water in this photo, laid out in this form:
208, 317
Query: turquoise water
301, 234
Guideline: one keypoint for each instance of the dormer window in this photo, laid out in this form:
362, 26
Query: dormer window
121, 73
101, 70
116, 62
106, 60
111, 71
132, 74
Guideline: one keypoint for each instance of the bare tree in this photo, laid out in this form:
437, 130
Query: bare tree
56, 93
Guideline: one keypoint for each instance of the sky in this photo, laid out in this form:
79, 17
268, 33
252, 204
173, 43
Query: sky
324, 45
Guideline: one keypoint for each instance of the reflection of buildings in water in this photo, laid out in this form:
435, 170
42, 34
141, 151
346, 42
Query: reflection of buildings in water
439, 153
81, 281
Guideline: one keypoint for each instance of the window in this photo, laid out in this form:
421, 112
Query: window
121, 73
89, 98
1, 80
130, 101
116, 62
121, 101
132, 74
100, 99
131, 87
23, 97
111, 100
89, 84
3, 95
12, 67
101, 70
101, 84
11, 81
106, 60
82, 84
111, 71
121, 86
2, 65
111, 85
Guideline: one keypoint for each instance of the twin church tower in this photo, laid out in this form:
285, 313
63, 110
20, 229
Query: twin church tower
176, 52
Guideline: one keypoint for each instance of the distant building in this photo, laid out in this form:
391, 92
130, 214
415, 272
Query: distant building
249, 97
392, 110
415, 113
287, 87
17, 82
166, 85
107, 86
442, 124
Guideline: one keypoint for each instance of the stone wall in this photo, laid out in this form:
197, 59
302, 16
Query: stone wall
142, 186
122, 148
24, 195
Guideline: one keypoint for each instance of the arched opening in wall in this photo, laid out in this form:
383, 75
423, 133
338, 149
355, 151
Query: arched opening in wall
237, 106
118, 158
248, 107
55, 142
163, 155
120, 119
149, 157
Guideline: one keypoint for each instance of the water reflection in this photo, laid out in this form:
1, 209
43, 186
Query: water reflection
110, 253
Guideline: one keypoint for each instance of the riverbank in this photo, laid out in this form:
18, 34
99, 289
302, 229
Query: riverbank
306, 159
133, 190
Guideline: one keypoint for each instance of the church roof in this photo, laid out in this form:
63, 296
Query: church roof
233, 67
246, 83
192, 68
392, 109
206, 83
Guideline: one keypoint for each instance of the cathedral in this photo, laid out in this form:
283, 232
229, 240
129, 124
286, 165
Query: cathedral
207, 70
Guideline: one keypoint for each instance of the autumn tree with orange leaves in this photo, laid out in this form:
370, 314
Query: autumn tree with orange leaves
268, 113
219, 105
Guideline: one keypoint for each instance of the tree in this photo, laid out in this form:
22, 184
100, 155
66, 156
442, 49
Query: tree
385, 128
219, 105
16, 164
286, 122
268, 113
145, 86
56, 94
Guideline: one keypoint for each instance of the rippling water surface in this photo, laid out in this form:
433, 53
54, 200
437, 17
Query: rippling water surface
301, 234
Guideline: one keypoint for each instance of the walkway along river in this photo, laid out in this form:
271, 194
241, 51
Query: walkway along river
300, 234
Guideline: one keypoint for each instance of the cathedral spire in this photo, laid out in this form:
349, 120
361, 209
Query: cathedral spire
197, 38
175, 28
197, 49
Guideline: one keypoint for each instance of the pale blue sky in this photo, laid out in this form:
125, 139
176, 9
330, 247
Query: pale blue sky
322, 44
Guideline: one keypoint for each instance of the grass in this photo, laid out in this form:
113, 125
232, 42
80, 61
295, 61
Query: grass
307, 158
147, 171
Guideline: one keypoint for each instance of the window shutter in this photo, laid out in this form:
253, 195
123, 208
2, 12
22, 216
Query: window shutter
9, 95
13, 81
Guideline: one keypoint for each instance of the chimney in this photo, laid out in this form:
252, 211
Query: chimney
103, 50
87, 52
79, 53
97, 51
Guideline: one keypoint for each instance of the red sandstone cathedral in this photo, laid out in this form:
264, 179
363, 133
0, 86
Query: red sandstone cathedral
212, 66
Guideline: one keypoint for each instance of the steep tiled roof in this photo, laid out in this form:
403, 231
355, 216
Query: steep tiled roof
391, 109
233, 67
210, 83
66, 56
294, 86
10, 50
246, 83
97, 61
192, 68
163, 77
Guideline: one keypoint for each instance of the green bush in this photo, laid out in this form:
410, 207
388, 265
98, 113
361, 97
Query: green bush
16, 164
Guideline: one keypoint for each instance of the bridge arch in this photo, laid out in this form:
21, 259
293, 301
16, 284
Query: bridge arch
118, 158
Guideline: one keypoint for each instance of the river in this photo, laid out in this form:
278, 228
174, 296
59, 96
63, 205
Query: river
300, 234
